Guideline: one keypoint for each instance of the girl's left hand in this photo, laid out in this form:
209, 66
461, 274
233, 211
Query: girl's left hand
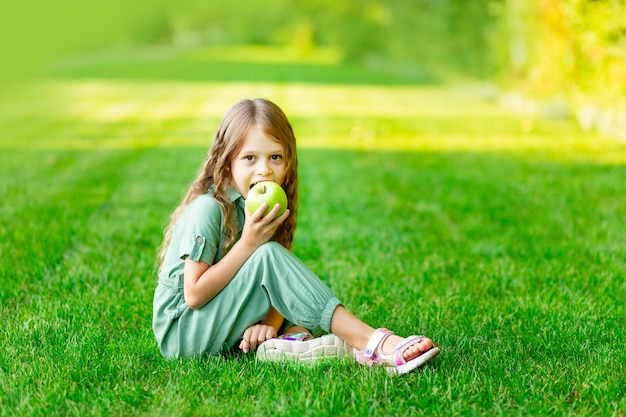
255, 335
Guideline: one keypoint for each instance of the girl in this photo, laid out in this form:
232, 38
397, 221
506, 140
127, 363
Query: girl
228, 279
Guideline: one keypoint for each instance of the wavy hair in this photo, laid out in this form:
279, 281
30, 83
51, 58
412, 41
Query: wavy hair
240, 119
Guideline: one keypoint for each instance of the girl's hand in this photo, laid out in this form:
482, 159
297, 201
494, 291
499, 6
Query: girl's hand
258, 230
255, 335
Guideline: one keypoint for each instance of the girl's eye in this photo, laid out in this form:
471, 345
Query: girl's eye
249, 158
276, 157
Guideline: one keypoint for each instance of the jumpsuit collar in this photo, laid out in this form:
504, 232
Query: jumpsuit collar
235, 197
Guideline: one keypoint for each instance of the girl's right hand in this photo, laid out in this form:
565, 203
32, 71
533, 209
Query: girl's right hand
255, 335
258, 230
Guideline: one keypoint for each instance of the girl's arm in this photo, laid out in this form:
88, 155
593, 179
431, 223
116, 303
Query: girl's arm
203, 282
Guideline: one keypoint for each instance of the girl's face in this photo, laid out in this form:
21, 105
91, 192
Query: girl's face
261, 158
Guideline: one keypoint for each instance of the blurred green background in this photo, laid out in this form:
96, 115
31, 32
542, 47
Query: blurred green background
573, 51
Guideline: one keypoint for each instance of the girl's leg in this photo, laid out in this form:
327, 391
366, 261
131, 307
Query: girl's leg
298, 294
357, 334
291, 288
307, 291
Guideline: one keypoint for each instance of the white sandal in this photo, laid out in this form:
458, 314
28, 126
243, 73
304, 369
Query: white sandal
394, 362
302, 347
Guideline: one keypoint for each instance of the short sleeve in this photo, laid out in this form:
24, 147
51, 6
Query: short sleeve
197, 249
199, 230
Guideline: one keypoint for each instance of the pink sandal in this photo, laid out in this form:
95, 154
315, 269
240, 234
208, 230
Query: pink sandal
393, 361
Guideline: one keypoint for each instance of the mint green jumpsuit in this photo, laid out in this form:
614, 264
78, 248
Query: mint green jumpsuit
272, 276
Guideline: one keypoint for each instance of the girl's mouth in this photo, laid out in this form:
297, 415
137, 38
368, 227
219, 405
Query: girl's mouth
255, 183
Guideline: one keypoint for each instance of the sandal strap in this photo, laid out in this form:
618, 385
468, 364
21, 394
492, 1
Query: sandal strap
376, 341
407, 342
403, 345
300, 336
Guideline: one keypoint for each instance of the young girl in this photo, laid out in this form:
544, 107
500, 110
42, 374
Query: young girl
228, 279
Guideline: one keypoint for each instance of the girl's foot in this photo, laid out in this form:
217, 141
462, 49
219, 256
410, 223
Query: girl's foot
397, 355
413, 351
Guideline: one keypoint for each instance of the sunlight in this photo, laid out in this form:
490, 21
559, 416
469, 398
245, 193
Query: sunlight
105, 114
269, 54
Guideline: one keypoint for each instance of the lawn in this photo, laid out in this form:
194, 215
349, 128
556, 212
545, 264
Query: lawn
426, 207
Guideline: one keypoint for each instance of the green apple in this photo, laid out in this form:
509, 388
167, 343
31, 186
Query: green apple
266, 192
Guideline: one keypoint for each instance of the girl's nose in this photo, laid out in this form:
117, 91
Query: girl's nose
264, 169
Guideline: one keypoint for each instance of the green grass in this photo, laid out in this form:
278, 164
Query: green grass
427, 209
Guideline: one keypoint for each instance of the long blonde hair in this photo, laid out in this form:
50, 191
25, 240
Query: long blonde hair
237, 122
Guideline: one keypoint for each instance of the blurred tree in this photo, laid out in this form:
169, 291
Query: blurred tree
546, 47
563, 47
436, 34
